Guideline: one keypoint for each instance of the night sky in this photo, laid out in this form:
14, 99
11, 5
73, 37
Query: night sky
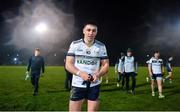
143, 25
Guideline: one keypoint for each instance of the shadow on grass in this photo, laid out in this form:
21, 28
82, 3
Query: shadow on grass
109, 84
169, 87
172, 92
57, 91
141, 85
141, 92
111, 89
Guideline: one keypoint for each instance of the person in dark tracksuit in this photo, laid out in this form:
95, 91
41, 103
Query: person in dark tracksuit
68, 79
130, 69
35, 65
169, 68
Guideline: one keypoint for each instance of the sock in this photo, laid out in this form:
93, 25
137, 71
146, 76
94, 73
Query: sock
160, 93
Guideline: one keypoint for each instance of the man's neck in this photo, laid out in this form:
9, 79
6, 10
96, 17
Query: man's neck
88, 43
129, 56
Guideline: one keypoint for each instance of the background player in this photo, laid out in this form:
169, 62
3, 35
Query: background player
36, 64
130, 69
156, 71
169, 69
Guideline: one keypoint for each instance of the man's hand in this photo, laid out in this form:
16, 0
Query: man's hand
96, 77
150, 74
136, 73
121, 72
27, 72
85, 76
27, 75
42, 75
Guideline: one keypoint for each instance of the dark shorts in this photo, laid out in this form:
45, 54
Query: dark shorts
91, 93
156, 77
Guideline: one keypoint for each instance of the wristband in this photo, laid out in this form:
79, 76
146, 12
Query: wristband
78, 73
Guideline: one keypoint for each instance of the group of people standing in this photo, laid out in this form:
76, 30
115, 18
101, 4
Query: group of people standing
127, 68
86, 62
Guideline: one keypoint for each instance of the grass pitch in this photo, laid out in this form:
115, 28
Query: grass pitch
16, 93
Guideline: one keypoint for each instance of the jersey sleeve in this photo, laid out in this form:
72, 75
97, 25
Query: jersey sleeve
103, 53
71, 51
120, 65
150, 62
162, 62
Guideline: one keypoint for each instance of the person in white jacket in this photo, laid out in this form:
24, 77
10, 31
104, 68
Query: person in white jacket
120, 69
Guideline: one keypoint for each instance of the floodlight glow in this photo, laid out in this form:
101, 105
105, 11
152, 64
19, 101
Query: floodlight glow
41, 27
15, 59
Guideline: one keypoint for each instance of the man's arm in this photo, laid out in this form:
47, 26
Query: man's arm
71, 68
120, 66
171, 67
116, 68
136, 66
104, 68
43, 65
29, 65
162, 69
150, 69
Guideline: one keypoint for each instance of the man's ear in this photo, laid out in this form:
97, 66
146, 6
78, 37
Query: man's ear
83, 30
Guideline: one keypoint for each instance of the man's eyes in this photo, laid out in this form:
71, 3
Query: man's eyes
91, 30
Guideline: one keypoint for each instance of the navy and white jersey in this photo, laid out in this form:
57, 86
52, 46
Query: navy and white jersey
156, 65
121, 65
147, 62
87, 59
129, 64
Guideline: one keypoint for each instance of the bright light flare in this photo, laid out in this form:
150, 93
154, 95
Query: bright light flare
41, 28
15, 59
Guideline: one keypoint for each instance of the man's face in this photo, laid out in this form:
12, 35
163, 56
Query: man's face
36, 53
90, 32
157, 55
129, 53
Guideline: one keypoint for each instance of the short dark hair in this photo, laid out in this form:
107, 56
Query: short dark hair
129, 50
37, 49
156, 52
90, 22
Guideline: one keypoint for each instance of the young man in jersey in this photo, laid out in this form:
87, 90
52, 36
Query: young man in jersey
87, 60
121, 70
169, 69
156, 72
36, 64
130, 69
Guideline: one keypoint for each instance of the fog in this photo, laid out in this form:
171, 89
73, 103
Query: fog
163, 35
52, 39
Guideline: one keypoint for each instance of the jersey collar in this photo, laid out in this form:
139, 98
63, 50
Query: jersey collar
92, 43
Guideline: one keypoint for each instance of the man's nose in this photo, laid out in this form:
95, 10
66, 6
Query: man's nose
90, 32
